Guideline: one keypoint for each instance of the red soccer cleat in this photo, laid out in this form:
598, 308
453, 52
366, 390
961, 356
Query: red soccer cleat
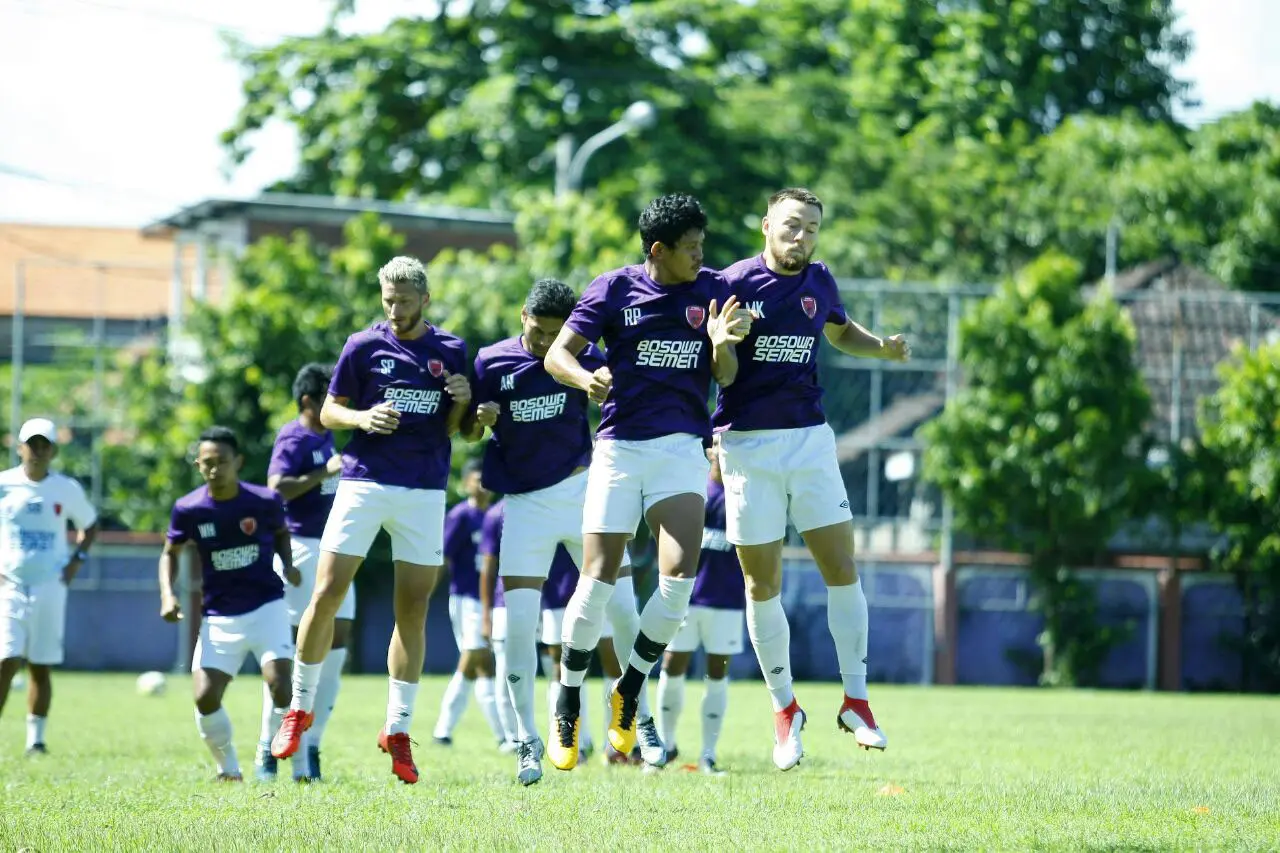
400, 748
855, 717
289, 738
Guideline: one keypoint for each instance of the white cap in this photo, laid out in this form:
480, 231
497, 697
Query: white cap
38, 426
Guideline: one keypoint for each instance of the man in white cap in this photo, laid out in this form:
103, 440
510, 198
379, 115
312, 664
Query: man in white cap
36, 565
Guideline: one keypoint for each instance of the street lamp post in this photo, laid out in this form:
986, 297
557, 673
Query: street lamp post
570, 164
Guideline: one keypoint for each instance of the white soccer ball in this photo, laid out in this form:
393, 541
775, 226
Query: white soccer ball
151, 683
19, 682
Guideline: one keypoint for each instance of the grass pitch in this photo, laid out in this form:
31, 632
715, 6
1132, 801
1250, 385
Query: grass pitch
966, 769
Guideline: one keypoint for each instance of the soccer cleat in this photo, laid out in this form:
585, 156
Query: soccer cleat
787, 724
228, 777
508, 747
529, 761
399, 747
651, 748
707, 766
622, 719
313, 759
855, 717
611, 756
265, 765
586, 748
563, 749
289, 738
37, 749
672, 754
442, 740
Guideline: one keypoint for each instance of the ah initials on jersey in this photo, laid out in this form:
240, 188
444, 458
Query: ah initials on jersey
508, 383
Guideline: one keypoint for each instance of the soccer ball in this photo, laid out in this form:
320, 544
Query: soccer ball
19, 682
151, 683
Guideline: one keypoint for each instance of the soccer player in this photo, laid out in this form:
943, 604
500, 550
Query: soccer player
239, 530
778, 456
493, 620
714, 622
36, 505
669, 325
462, 531
537, 457
401, 386
304, 471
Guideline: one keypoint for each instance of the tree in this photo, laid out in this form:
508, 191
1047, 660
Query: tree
1239, 469
1042, 451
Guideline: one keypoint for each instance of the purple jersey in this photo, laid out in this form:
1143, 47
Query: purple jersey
561, 581
377, 367
491, 545
542, 434
777, 384
462, 528
298, 451
719, 582
236, 540
657, 349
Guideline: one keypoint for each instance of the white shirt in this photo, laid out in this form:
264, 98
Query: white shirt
33, 524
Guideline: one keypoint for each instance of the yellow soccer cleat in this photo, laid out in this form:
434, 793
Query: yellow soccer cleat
562, 746
622, 720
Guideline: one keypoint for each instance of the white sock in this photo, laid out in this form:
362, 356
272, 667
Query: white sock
661, 620
305, 678
553, 696
847, 619
583, 622
625, 619
453, 704
487, 699
401, 697
215, 729
501, 695
268, 726
35, 729
670, 704
771, 638
327, 692
714, 704
523, 608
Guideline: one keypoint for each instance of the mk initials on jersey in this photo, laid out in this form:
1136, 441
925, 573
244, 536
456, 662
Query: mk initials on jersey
756, 309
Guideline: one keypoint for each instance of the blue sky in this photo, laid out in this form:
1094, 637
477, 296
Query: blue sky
87, 155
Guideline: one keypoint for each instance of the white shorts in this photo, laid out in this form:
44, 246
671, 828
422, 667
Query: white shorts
465, 615
552, 633
32, 621
773, 474
498, 627
225, 640
626, 478
413, 517
306, 557
534, 523
717, 630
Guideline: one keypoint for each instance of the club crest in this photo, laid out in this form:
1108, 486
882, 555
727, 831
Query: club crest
435, 367
249, 526
810, 306
695, 314
57, 510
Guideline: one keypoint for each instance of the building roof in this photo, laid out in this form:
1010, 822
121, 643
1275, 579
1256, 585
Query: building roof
315, 209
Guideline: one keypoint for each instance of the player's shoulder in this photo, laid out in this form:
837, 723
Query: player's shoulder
741, 269
292, 431
458, 510
197, 497
494, 513
371, 336
63, 482
12, 476
819, 269
499, 350
619, 279
260, 494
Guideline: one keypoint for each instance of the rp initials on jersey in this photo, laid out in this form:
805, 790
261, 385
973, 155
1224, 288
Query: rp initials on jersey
630, 316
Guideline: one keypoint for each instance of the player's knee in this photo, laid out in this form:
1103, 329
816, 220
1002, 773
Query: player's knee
762, 588
208, 702
341, 633
717, 666
40, 674
676, 663
281, 692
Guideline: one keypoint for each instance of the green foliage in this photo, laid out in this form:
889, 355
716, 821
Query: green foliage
1239, 467
1042, 450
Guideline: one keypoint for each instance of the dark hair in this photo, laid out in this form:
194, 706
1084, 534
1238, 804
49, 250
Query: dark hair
799, 194
665, 220
550, 297
471, 466
221, 435
312, 381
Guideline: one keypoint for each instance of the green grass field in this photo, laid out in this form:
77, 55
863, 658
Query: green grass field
966, 769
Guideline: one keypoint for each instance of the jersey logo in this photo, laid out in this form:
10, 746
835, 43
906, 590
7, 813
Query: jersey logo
205, 531
810, 306
695, 314
34, 507
630, 316
435, 367
756, 309
317, 456
249, 526
385, 366
508, 383
57, 509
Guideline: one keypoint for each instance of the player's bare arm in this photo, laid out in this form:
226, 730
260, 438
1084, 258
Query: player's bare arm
853, 339
483, 416
563, 365
170, 609
83, 542
458, 388
284, 550
336, 414
291, 487
727, 326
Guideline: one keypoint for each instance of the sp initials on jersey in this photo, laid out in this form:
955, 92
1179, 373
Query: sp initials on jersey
385, 366
630, 316
508, 382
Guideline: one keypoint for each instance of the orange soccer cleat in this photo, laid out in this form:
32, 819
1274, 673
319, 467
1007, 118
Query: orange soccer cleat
289, 738
399, 747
